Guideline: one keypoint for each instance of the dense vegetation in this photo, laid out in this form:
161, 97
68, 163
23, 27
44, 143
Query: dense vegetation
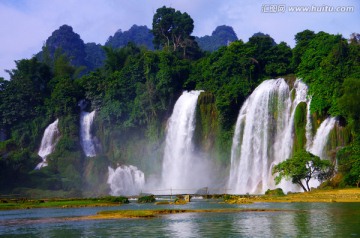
134, 89
221, 36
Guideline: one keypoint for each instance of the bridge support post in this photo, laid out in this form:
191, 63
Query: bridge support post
187, 198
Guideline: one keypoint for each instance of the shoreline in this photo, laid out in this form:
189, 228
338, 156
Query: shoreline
317, 195
331, 195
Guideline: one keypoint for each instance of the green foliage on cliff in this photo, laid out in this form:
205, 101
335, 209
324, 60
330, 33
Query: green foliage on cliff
139, 35
349, 164
221, 36
134, 91
300, 124
325, 63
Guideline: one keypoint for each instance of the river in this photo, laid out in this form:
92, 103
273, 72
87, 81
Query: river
293, 220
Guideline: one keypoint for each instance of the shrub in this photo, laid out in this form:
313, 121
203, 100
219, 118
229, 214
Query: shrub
146, 199
275, 192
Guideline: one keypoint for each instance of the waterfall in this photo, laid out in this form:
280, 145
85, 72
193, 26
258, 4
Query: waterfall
182, 168
318, 146
48, 142
264, 136
125, 180
87, 140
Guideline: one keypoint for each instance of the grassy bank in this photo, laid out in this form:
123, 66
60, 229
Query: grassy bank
10, 204
333, 195
121, 214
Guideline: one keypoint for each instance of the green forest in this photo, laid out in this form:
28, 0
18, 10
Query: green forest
133, 86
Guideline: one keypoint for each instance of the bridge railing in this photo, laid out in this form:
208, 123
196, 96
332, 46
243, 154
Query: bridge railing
189, 191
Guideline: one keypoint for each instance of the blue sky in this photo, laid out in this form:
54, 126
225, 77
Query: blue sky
26, 24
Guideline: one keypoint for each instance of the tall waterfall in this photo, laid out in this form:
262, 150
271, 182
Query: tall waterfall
264, 136
87, 140
48, 142
318, 146
182, 168
125, 180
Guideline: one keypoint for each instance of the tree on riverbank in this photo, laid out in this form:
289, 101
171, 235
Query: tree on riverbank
302, 167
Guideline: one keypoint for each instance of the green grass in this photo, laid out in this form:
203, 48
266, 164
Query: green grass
9, 204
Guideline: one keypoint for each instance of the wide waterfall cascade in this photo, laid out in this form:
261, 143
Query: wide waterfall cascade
87, 140
48, 142
264, 136
318, 146
182, 168
125, 180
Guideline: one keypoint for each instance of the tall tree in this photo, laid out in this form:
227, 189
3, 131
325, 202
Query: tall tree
172, 29
302, 40
302, 166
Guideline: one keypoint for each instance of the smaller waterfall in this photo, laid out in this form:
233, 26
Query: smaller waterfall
318, 146
87, 140
48, 142
125, 180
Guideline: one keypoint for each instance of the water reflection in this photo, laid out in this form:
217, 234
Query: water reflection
295, 220
182, 225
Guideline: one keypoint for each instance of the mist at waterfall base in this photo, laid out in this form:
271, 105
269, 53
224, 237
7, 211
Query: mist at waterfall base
48, 142
125, 180
184, 168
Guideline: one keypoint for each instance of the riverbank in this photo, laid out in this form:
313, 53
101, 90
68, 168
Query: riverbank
331, 195
21, 203
121, 214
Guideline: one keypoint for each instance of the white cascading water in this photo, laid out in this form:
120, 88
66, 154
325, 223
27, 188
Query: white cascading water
48, 142
87, 140
264, 136
318, 146
182, 169
125, 180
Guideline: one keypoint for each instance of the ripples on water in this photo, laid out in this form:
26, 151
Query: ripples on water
296, 220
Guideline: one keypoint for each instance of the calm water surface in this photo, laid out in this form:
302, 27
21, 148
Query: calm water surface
295, 220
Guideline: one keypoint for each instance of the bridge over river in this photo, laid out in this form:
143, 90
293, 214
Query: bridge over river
187, 194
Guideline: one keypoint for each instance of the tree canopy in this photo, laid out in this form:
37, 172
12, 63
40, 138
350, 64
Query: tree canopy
302, 167
172, 30
221, 36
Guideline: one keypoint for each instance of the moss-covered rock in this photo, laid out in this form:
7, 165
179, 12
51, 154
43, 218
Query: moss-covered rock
206, 122
209, 136
300, 126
